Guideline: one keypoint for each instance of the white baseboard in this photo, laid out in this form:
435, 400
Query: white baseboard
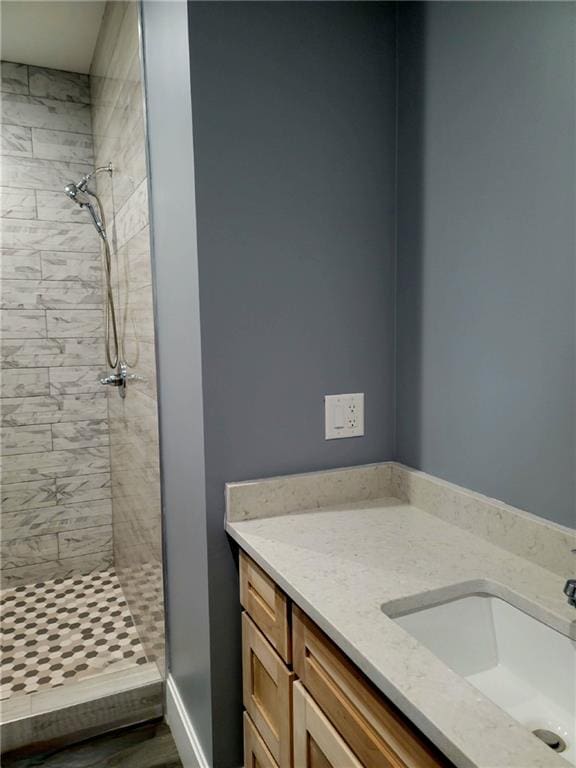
182, 729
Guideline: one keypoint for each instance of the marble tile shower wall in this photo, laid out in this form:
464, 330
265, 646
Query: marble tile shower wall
119, 137
56, 513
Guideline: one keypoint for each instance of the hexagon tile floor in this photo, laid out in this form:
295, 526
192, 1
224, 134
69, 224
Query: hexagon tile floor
64, 630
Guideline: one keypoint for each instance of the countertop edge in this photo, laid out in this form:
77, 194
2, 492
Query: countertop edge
415, 715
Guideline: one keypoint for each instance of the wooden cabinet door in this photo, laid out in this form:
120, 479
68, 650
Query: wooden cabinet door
316, 742
267, 606
256, 753
378, 734
267, 691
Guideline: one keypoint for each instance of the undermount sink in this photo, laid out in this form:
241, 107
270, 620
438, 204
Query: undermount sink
522, 665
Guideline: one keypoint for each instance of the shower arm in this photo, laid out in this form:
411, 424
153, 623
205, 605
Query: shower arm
83, 183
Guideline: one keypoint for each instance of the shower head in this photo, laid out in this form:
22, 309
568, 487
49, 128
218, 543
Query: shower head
81, 195
77, 192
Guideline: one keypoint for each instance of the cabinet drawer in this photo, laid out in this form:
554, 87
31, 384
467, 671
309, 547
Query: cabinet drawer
266, 604
316, 742
267, 691
256, 753
378, 735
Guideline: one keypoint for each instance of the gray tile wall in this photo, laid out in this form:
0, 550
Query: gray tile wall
56, 515
118, 120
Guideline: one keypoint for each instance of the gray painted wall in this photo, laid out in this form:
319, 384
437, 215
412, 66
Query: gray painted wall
175, 262
294, 272
294, 131
486, 251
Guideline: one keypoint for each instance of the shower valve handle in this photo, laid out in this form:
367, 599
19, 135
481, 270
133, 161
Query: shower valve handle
114, 380
570, 591
120, 378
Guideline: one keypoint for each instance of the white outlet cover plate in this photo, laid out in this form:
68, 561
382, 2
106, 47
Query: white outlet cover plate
344, 416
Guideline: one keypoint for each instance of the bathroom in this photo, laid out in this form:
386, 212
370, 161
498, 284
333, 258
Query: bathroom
307, 222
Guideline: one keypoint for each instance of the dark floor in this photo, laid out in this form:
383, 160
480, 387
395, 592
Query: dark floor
144, 746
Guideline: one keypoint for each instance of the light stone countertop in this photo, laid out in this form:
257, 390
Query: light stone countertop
341, 563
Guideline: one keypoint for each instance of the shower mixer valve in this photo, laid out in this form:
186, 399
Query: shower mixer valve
120, 378
570, 588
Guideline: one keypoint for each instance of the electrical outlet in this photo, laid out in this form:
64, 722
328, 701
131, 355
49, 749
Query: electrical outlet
344, 416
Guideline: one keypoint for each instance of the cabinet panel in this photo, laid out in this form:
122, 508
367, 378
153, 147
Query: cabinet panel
267, 606
256, 753
379, 735
267, 688
316, 742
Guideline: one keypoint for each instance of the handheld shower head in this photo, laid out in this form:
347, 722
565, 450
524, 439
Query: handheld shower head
77, 193
85, 198
81, 195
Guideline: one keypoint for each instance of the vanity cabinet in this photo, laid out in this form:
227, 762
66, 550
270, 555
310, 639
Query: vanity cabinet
256, 753
317, 743
267, 692
267, 605
307, 705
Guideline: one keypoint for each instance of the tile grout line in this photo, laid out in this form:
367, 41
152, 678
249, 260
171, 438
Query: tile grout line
88, 596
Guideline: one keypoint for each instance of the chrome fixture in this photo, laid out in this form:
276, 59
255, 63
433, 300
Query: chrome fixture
80, 196
570, 588
83, 196
551, 739
570, 592
120, 379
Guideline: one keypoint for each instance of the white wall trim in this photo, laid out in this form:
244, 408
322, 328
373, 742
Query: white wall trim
182, 729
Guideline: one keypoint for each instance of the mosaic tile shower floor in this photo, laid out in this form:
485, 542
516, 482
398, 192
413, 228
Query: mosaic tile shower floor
144, 592
65, 630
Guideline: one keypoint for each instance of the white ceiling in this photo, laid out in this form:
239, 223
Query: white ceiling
60, 34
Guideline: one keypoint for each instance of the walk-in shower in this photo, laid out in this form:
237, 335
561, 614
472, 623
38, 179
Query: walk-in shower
81, 605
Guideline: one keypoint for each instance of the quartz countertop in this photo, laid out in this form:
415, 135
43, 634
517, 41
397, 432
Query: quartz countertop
342, 563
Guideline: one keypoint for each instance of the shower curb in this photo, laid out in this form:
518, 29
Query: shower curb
82, 710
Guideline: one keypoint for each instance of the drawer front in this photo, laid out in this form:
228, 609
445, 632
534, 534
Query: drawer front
316, 742
256, 753
267, 606
267, 691
377, 733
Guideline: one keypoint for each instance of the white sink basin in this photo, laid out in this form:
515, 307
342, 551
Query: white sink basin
524, 666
